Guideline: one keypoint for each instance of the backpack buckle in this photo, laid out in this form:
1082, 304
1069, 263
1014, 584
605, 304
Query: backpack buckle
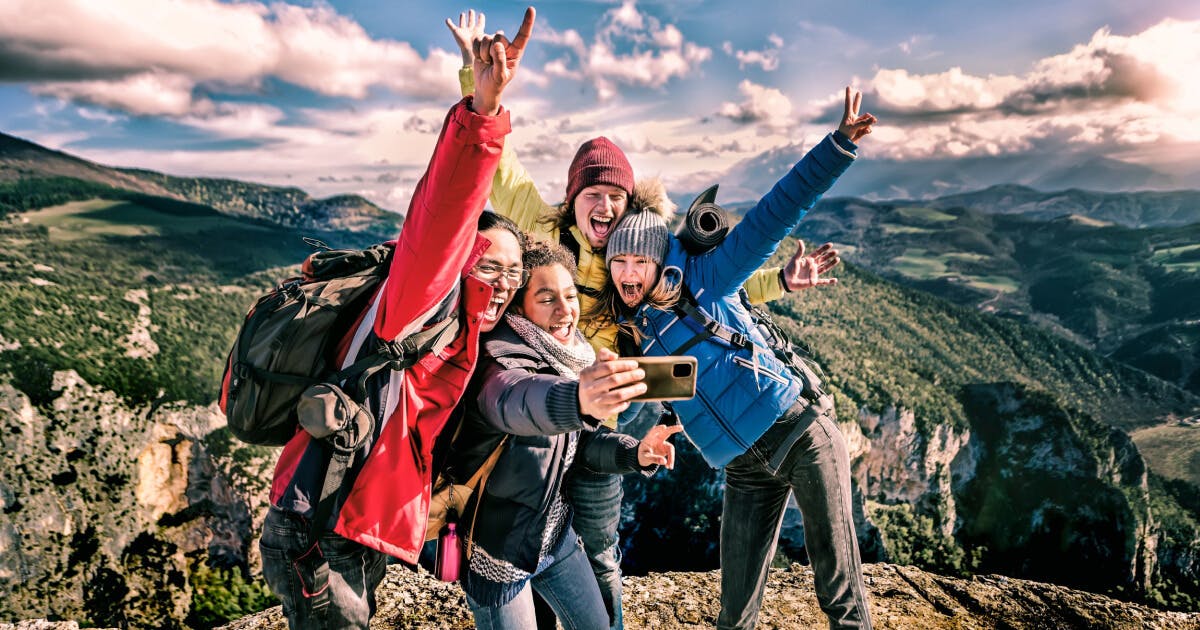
737, 339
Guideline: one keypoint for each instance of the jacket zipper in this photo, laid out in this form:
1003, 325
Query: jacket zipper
761, 370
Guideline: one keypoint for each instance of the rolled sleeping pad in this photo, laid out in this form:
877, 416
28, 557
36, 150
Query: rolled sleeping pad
705, 224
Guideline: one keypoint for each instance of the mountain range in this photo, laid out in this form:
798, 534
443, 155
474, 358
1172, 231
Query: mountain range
878, 179
981, 441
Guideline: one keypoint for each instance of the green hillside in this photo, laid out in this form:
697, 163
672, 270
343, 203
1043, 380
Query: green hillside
884, 345
140, 297
1129, 293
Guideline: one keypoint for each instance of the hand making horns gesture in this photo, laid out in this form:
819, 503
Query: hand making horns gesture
854, 125
496, 61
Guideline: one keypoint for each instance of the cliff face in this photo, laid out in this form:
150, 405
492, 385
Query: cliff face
108, 510
1026, 486
106, 507
902, 598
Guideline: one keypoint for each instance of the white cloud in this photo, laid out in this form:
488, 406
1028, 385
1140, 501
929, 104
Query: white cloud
1111, 92
144, 94
767, 59
763, 105
93, 52
630, 48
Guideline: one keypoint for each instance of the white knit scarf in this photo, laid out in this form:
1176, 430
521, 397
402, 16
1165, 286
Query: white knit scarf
567, 360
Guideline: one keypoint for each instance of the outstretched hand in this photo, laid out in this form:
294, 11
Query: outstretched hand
468, 30
655, 449
804, 272
495, 64
606, 386
853, 124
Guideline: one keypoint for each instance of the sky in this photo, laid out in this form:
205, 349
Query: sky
347, 96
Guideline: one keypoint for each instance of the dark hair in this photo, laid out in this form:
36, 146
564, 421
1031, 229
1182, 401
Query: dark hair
543, 254
489, 220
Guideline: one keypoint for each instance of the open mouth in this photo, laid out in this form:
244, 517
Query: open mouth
631, 291
493, 310
601, 226
563, 332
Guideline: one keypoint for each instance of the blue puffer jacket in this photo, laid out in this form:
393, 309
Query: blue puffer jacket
739, 393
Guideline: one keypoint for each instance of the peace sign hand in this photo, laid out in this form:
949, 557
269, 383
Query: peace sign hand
853, 125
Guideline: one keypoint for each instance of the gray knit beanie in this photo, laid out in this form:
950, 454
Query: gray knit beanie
640, 233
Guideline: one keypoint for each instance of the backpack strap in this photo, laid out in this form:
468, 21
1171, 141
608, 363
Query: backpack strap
686, 307
395, 355
403, 354
481, 476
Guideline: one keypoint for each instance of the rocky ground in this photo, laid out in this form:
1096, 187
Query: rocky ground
901, 597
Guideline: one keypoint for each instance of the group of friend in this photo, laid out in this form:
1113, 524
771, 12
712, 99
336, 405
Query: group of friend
554, 298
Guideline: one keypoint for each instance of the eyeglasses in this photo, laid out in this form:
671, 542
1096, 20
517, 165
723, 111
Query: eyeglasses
488, 272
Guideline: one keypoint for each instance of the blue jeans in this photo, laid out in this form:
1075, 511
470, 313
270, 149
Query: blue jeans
326, 585
596, 501
567, 585
817, 469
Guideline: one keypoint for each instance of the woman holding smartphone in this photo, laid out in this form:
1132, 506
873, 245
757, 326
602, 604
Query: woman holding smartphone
768, 423
543, 385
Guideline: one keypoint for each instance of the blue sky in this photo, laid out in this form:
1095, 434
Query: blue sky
346, 96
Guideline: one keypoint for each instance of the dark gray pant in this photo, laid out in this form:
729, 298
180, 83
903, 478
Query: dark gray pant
817, 469
327, 586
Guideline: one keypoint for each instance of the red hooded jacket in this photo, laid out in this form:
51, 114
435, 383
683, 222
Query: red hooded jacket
387, 504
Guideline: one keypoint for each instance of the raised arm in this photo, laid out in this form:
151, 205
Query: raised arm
514, 193
752, 241
439, 228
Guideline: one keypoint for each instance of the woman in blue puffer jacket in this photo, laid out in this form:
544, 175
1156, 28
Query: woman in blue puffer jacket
771, 427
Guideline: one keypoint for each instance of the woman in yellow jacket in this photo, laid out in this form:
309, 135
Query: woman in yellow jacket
600, 187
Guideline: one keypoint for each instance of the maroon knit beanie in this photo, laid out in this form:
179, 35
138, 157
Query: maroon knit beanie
598, 161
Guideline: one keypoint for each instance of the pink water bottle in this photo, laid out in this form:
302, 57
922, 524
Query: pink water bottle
449, 557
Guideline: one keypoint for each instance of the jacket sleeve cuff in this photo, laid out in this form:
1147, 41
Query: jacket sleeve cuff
627, 457
466, 80
562, 405
473, 128
842, 143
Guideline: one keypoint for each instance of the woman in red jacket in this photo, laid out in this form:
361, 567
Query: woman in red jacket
326, 573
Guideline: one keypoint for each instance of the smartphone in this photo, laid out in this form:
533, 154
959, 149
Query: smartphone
668, 378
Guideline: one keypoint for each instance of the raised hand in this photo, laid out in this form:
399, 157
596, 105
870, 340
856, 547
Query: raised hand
804, 272
606, 386
853, 124
470, 27
655, 449
496, 61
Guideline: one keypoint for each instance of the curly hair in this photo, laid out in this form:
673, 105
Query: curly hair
543, 254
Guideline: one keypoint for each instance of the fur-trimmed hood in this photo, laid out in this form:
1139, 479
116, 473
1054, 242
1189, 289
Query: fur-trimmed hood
651, 194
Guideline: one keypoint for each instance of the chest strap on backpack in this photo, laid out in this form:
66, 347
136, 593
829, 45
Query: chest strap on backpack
686, 307
397, 355
401, 354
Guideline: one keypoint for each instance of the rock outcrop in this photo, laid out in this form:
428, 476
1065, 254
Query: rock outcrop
901, 598
107, 508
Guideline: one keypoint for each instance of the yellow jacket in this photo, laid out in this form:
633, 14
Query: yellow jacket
515, 196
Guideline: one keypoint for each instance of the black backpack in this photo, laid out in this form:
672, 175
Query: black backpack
286, 343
